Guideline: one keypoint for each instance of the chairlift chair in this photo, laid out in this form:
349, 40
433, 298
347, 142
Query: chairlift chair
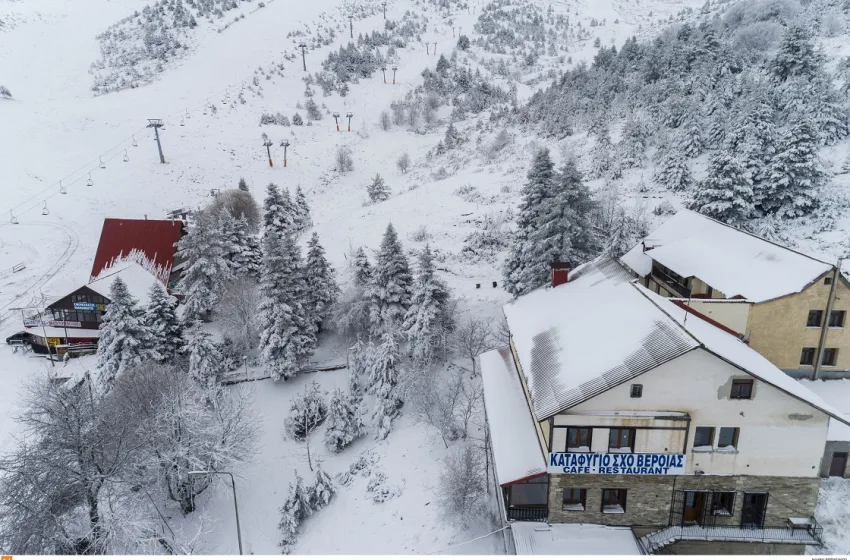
62, 190
12, 219
126, 157
102, 165
134, 141
45, 211
89, 182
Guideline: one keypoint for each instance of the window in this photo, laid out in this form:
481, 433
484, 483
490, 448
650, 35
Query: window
532, 492
578, 439
637, 391
728, 439
742, 389
830, 355
815, 318
723, 504
827, 281
703, 439
621, 440
614, 500
574, 499
807, 357
836, 319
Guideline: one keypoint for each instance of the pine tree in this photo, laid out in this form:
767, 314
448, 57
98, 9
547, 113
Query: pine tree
286, 337
207, 270
378, 190
242, 250
344, 424
204, 357
601, 154
323, 489
391, 285
795, 174
296, 509
726, 194
161, 321
690, 140
302, 210
383, 383
124, 341
452, 138
362, 268
358, 375
324, 291
277, 216
797, 55
243, 186
633, 144
673, 172
521, 273
428, 321
757, 145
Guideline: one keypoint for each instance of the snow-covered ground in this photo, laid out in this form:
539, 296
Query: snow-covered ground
54, 129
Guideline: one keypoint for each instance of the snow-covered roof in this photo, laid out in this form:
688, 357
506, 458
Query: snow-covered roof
837, 393
730, 260
516, 448
572, 539
579, 339
138, 279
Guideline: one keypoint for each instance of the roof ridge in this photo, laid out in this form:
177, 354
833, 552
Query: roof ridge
639, 289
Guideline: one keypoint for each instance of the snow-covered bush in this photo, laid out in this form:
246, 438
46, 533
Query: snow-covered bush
297, 120
344, 424
277, 118
303, 501
5, 93
380, 489
313, 111
491, 236
307, 412
378, 190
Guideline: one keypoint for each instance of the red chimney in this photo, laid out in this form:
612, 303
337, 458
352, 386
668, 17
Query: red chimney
560, 273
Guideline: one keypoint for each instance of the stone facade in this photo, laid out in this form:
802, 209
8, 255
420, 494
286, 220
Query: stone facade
648, 497
733, 548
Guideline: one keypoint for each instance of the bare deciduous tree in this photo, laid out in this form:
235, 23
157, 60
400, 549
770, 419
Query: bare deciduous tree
238, 203
474, 337
461, 488
344, 162
403, 162
385, 121
240, 299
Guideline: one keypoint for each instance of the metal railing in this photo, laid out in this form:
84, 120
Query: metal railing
812, 535
674, 284
531, 513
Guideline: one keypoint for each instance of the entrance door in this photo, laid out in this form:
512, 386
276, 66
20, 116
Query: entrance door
838, 465
692, 512
752, 513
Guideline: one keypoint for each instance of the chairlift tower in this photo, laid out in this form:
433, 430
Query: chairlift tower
351, 25
284, 144
384, 4
303, 48
156, 124
349, 115
267, 143
394, 70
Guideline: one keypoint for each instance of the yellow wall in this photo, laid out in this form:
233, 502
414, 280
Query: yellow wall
731, 313
778, 331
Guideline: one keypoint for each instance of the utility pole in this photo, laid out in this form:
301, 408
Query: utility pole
156, 124
235, 505
267, 143
336, 118
453, 31
303, 48
385, 10
384, 70
351, 25
394, 69
349, 115
285, 145
427, 48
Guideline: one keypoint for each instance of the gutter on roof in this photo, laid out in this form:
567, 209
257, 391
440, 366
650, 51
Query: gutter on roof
523, 479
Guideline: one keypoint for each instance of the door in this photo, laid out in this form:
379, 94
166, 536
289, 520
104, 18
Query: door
838, 465
693, 508
752, 513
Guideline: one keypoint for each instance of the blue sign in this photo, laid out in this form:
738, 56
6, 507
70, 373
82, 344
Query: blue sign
85, 306
616, 463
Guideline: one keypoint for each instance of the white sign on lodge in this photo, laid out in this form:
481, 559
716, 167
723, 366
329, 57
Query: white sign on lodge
616, 463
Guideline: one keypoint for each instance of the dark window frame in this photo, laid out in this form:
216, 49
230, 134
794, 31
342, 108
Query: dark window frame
830, 357
577, 496
827, 281
723, 503
711, 436
538, 480
631, 439
839, 315
807, 356
735, 436
614, 497
588, 432
742, 389
814, 318
636, 391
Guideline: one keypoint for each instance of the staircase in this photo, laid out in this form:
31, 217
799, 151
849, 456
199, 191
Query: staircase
656, 540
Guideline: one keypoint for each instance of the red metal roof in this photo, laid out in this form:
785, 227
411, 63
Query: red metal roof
155, 238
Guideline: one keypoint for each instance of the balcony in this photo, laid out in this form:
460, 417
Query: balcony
656, 540
528, 513
668, 278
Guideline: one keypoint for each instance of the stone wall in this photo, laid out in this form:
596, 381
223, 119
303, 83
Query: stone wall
734, 548
648, 498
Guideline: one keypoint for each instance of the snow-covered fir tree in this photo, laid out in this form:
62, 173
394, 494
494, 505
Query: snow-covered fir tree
206, 267
161, 321
521, 272
204, 357
378, 190
726, 194
323, 290
243, 186
795, 174
428, 322
287, 337
757, 144
344, 424
296, 509
242, 249
601, 156
673, 172
383, 383
391, 286
323, 489
125, 341
690, 139
362, 268
277, 211
632, 146
360, 356
303, 220
797, 55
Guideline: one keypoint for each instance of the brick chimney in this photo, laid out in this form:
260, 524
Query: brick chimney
560, 273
